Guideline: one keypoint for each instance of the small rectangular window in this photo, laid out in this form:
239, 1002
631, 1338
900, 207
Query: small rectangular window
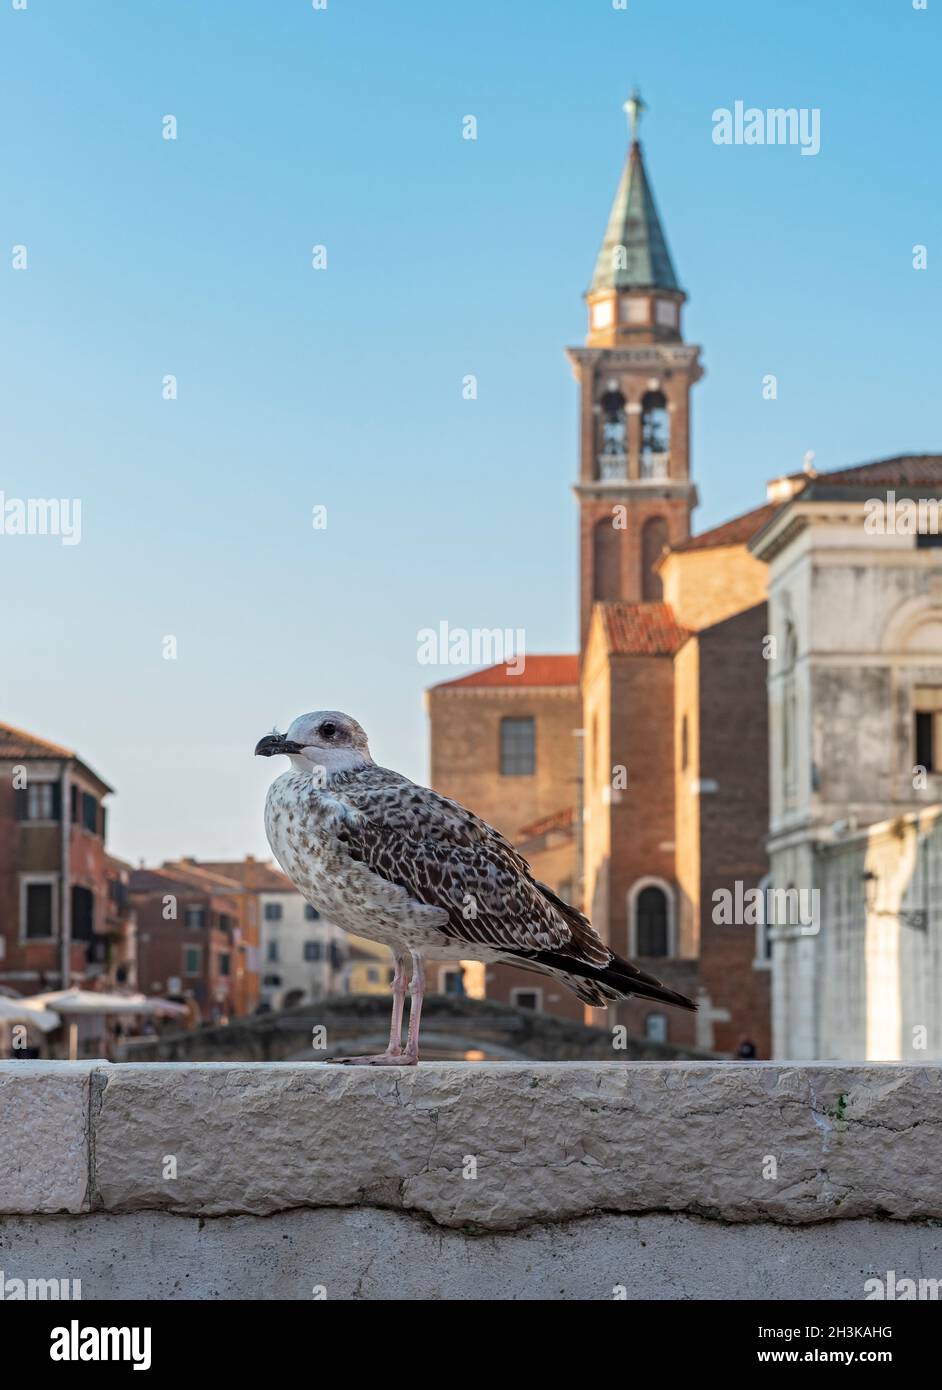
312, 950
517, 747
655, 1028
225, 963
83, 913
192, 960
273, 912
272, 951
89, 812
311, 913
39, 909
195, 918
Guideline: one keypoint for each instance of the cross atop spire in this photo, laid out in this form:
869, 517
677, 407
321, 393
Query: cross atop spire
634, 254
633, 108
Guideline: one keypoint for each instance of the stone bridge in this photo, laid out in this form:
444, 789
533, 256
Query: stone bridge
453, 1029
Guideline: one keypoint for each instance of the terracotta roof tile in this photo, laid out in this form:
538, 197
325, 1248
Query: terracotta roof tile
642, 629
17, 743
904, 470
562, 669
201, 876
256, 875
734, 532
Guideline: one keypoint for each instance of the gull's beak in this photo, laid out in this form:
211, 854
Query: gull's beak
272, 744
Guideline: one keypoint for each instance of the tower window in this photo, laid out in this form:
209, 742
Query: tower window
655, 435
517, 747
612, 449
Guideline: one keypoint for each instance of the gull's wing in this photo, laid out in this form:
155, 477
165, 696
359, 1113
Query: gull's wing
447, 857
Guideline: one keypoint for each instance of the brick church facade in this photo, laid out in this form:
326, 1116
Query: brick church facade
634, 776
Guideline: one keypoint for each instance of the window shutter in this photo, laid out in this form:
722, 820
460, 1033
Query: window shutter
57, 801
21, 803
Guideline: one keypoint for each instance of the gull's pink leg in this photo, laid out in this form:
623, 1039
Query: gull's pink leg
399, 997
392, 1057
417, 993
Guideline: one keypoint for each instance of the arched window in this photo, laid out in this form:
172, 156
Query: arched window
655, 435
606, 561
651, 929
653, 541
612, 443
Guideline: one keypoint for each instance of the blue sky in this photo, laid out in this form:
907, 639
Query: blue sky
342, 387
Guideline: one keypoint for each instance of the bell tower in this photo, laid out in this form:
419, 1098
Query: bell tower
634, 373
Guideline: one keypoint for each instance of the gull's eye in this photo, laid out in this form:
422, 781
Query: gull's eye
328, 730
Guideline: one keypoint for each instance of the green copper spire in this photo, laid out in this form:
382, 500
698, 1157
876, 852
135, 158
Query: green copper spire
634, 254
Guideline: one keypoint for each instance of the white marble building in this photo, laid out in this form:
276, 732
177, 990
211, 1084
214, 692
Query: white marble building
855, 741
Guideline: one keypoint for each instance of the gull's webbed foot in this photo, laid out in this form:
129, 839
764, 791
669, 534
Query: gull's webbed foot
382, 1059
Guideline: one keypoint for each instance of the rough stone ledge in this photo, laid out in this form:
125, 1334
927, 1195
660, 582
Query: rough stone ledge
479, 1146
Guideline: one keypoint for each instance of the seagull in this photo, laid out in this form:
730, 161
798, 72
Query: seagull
399, 864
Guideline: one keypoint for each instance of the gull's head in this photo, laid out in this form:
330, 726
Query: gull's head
325, 740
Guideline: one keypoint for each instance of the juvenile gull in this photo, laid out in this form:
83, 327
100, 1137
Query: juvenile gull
401, 865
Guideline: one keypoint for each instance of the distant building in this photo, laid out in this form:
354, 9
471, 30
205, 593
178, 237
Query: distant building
65, 916
509, 747
296, 953
304, 955
759, 709
187, 938
642, 786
